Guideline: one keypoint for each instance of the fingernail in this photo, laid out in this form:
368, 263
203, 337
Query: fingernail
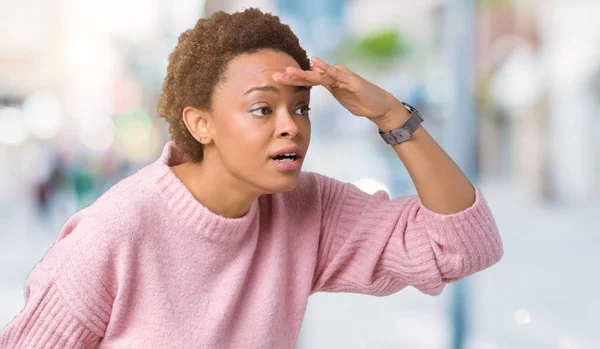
277, 75
291, 69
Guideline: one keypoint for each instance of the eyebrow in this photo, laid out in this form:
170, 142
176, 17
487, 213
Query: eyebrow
269, 88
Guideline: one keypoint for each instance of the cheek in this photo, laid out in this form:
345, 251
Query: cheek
308, 128
305, 128
253, 137
244, 140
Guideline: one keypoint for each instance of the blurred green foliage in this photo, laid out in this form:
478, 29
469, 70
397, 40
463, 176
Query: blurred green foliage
386, 44
380, 49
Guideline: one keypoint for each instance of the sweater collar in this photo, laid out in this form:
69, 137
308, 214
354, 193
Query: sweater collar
189, 210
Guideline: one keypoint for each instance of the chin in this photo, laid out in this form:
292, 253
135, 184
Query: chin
283, 184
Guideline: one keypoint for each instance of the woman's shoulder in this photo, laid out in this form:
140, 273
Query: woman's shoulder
131, 193
131, 188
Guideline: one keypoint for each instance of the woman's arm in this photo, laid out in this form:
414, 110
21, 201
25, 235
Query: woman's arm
67, 301
373, 245
441, 185
47, 320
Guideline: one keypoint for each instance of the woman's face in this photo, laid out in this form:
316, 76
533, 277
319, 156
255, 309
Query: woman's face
254, 118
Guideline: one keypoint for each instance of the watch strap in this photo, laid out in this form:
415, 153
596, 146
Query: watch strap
407, 129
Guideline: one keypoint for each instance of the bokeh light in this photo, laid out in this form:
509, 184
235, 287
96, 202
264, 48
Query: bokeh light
42, 115
12, 130
522, 317
133, 132
98, 136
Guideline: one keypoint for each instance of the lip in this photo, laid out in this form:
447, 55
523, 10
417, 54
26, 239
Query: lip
288, 166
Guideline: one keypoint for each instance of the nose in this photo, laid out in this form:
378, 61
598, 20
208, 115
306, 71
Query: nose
286, 126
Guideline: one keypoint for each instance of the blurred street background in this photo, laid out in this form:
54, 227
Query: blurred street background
511, 90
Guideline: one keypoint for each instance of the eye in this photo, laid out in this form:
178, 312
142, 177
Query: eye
304, 110
262, 111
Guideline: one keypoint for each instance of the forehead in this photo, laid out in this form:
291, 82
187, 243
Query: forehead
257, 68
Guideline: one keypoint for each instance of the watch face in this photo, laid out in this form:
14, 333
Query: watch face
401, 134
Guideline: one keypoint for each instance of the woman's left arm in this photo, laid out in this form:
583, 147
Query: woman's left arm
376, 246
441, 185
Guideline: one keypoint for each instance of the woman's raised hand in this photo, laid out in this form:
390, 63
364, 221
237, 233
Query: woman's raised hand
359, 96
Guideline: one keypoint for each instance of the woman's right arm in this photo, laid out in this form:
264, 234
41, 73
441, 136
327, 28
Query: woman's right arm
69, 294
47, 321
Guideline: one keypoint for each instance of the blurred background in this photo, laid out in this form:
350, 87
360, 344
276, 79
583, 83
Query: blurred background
511, 89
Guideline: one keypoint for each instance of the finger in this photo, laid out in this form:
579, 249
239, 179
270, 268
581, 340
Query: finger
332, 71
332, 86
323, 76
338, 85
319, 77
317, 69
289, 79
309, 76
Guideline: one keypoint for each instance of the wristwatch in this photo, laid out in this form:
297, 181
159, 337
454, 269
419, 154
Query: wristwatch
405, 131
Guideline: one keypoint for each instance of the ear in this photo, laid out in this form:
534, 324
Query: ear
198, 122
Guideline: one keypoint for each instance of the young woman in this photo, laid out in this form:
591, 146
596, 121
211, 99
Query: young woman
220, 241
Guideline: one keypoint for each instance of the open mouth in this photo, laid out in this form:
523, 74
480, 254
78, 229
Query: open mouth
286, 157
287, 162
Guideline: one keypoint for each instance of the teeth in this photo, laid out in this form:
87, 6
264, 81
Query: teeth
286, 160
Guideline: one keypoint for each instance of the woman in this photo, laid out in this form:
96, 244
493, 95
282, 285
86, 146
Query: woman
220, 241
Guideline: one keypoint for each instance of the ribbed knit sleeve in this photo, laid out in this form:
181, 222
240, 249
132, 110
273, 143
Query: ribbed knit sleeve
69, 294
371, 244
47, 320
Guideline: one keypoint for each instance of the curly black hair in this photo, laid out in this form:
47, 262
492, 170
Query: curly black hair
199, 60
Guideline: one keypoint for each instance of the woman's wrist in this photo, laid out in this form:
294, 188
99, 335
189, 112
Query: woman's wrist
394, 118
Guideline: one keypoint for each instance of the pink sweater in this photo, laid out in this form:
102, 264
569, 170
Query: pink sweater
147, 266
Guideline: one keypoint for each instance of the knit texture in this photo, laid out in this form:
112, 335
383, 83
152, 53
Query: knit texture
148, 266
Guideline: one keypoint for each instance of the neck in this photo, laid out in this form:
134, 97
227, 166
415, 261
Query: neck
215, 188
